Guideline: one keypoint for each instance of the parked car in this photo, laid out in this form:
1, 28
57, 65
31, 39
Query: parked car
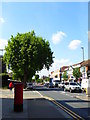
61, 85
72, 86
56, 82
84, 84
29, 85
79, 84
46, 84
51, 85
65, 85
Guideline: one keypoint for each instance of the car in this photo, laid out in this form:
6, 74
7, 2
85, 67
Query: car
84, 84
61, 85
30, 86
65, 85
79, 84
51, 85
46, 84
56, 82
72, 86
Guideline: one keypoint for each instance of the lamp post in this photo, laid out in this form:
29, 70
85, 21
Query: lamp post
83, 52
60, 74
83, 61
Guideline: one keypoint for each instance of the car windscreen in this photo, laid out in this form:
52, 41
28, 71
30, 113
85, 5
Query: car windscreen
73, 84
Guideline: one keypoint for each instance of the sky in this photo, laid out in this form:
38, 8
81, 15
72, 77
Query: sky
63, 24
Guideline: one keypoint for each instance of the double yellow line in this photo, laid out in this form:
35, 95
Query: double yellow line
71, 113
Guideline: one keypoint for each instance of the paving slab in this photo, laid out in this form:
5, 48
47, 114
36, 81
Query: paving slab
84, 97
34, 106
42, 108
8, 109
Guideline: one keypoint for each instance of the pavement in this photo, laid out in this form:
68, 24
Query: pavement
84, 97
34, 106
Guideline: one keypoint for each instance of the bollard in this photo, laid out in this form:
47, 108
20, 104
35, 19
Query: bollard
18, 97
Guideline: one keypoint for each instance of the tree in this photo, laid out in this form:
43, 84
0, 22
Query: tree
36, 77
27, 53
76, 73
65, 76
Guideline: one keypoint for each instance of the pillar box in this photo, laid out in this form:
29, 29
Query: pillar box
18, 97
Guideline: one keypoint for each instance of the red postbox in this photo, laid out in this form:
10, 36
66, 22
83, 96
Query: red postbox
18, 97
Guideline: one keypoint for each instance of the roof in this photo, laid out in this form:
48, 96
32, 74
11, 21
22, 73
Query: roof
63, 68
77, 64
85, 63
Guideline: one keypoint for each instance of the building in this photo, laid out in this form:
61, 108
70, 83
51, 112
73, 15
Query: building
70, 70
55, 74
84, 67
58, 73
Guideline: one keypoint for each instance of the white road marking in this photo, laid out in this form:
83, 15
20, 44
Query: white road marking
39, 93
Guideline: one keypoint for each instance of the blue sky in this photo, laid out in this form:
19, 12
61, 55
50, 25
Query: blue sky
63, 24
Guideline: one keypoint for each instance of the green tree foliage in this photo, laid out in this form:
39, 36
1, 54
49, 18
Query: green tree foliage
27, 53
76, 73
36, 77
65, 76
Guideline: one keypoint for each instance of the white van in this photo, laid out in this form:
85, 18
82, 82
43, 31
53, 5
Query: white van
85, 84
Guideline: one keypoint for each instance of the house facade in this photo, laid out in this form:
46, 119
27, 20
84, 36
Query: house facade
55, 74
83, 67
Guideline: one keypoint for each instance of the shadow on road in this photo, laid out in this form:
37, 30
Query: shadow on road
42, 88
78, 107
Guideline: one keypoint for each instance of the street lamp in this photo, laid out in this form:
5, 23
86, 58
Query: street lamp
83, 52
83, 60
60, 74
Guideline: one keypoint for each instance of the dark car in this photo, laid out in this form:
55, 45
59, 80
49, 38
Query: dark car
30, 86
46, 84
51, 85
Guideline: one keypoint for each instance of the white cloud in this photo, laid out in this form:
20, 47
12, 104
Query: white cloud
59, 63
89, 36
74, 44
43, 72
56, 65
2, 20
57, 37
3, 43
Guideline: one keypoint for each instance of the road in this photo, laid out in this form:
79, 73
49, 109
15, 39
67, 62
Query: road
66, 99
69, 100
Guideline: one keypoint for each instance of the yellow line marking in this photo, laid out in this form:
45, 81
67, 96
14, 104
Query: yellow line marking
74, 115
64, 110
